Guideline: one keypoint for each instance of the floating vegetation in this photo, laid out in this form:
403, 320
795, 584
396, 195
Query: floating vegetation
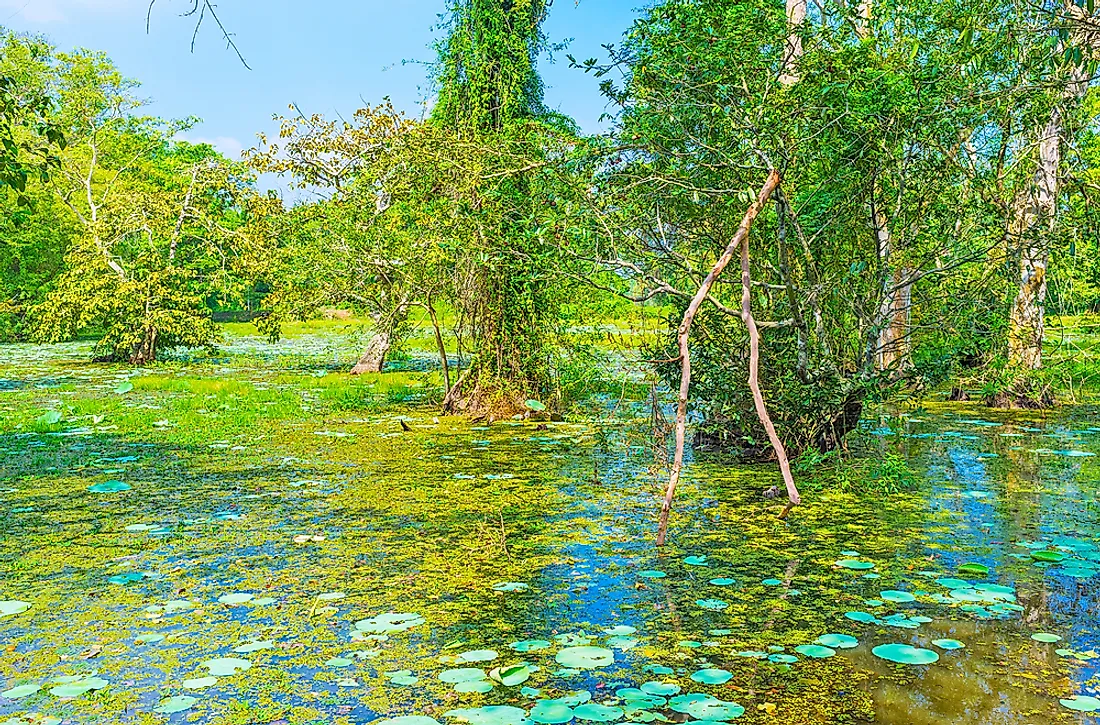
905, 654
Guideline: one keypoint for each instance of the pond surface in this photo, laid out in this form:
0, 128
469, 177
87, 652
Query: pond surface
243, 540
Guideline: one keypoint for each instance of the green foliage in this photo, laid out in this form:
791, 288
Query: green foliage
138, 234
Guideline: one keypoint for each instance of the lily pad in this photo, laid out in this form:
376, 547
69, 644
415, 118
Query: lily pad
1046, 637
898, 597
662, 689
20, 691
585, 658
200, 683
712, 676
862, 617
511, 587
1082, 703
462, 674
838, 641
389, 622
855, 564
594, 712
696, 560
479, 655
77, 688
815, 651
905, 654
548, 712
974, 569
948, 644
530, 645
226, 666
109, 487
712, 604
490, 715
12, 607
236, 598
179, 703
652, 574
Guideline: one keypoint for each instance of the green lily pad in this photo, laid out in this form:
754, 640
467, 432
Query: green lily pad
254, 646
199, 683
78, 687
705, 707
585, 658
512, 675
109, 487
124, 387
696, 560
661, 689
712, 604
151, 638
20, 691
479, 686
862, 617
236, 598
12, 607
179, 703
407, 720
855, 564
712, 676
594, 712
462, 674
389, 622
815, 651
490, 715
948, 644
530, 645
1082, 703
722, 582
226, 666
340, 662
1045, 555
905, 654
479, 655
510, 587
893, 595
837, 641
1046, 637
974, 569
548, 712
652, 574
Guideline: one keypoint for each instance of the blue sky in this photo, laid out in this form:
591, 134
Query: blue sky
327, 56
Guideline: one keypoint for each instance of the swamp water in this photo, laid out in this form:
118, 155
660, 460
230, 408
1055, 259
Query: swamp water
224, 542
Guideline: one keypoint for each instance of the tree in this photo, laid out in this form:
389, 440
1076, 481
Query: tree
161, 224
490, 106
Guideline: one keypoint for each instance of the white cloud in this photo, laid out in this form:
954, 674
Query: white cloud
226, 145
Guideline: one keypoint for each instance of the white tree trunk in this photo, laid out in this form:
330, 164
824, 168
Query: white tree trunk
1033, 218
374, 357
796, 18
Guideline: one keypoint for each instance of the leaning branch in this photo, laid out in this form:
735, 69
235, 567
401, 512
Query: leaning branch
739, 241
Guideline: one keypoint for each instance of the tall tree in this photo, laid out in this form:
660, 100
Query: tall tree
490, 98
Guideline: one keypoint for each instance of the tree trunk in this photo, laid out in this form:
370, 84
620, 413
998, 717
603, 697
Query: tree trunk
1033, 217
893, 341
374, 357
145, 351
796, 18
